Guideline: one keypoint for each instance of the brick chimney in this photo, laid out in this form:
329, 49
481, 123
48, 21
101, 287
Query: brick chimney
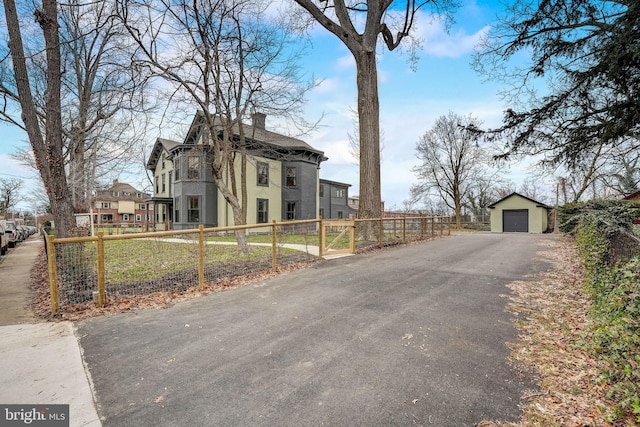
258, 120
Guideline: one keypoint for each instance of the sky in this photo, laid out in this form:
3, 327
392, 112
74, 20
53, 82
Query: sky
410, 101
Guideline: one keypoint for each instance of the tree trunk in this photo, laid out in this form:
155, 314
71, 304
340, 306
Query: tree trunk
236, 209
48, 152
370, 205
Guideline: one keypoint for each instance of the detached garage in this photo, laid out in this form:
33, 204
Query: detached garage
519, 214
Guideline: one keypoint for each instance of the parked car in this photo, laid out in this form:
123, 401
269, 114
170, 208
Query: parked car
4, 241
11, 232
23, 233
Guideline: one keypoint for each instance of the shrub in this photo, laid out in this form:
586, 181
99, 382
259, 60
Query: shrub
615, 291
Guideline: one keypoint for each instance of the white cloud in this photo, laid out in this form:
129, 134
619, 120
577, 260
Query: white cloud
436, 41
345, 62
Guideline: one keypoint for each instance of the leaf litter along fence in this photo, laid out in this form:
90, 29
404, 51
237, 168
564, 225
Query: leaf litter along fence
108, 268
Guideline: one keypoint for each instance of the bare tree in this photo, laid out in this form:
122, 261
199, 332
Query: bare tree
227, 59
451, 162
9, 194
626, 179
45, 132
481, 193
360, 26
101, 97
104, 97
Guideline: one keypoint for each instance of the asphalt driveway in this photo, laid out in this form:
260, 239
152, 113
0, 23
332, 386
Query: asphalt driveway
408, 336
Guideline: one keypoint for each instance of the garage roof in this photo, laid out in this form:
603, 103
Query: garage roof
538, 204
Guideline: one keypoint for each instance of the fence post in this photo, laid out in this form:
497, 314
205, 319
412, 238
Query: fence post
274, 247
449, 224
352, 238
433, 226
441, 225
201, 257
53, 274
404, 228
101, 273
380, 232
321, 238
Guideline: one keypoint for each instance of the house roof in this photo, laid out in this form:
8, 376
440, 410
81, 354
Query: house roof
633, 196
538, 204
120, 188
327, 181
161, 145
253, 133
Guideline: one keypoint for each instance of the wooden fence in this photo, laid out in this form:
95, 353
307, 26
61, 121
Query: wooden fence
94, 268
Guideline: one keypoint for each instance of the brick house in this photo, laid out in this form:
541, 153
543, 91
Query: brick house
121, 205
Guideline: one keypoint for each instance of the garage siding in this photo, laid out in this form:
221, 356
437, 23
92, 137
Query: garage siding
516, 213
515, 220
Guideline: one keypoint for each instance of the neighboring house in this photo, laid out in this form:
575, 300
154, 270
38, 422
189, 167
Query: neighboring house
517, 213
334, 197
282, 177
634, 197
354, 202
123, 206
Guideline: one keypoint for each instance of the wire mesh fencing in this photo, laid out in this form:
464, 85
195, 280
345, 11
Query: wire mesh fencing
105, 269
624, 246
392, 231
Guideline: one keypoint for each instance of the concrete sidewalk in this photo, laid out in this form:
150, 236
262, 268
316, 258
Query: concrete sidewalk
40, 363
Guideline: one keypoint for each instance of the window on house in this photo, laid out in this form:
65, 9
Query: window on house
291, 210
290, 177
125, 217
321, 190
193, 209
164, 183
170, 181
340, 192
176, 164
106, 205
263, 173
163, 159
157, 184
193, 170
340, 214
138, 218
263, 211
107, 218
176, 215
